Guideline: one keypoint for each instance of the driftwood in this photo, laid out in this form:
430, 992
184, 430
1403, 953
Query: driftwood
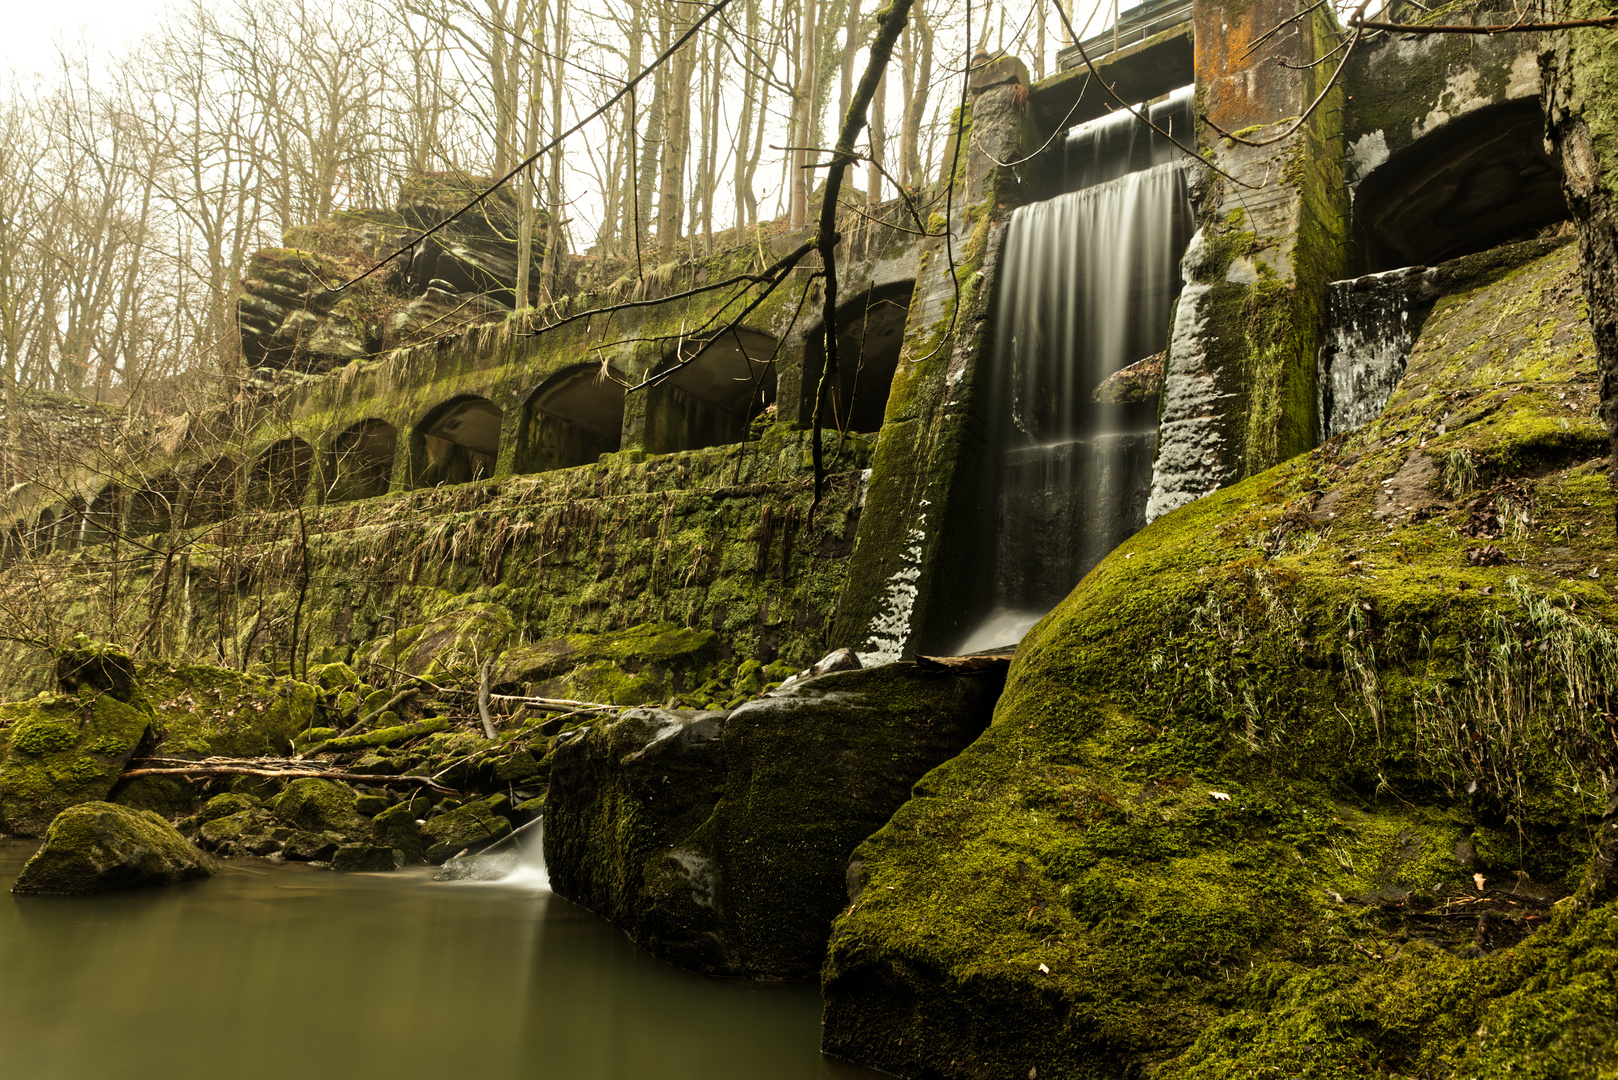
483, 700
271, 768
543, 704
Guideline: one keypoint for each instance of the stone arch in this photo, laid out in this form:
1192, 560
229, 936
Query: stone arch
150, 511
870, 335
1477, 181
359, 464
103, 515
458, 441
573, 418
42, 538
211, 494
70, 523
727, 383
280, 475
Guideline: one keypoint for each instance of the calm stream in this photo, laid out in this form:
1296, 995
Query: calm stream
285, 971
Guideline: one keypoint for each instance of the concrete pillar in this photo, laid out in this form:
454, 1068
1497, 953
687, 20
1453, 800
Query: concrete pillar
1239, 393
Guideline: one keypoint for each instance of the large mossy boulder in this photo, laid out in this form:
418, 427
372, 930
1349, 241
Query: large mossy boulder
1295, 781
317, 805
64, 749
203, 711
721, 841
101, 847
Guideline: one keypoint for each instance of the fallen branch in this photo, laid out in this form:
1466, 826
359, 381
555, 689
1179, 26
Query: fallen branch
274, 769
483, 700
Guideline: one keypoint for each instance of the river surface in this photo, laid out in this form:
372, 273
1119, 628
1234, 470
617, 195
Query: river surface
291, 972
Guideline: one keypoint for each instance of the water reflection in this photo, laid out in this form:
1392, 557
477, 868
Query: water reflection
275, 970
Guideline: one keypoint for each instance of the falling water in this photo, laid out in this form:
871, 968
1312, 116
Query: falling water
1116, 144
1089, 281
1371, 325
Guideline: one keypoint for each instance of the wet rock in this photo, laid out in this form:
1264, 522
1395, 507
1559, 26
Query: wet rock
490, 867
1140, 381
64, 750
469, 826
311, 847
396, 828
721, 841
100, 847
363, 858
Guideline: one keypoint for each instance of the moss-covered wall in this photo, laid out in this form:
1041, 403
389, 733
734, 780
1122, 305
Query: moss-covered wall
1581, 110
724, 539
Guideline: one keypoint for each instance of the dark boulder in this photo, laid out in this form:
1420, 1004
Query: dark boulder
721, 841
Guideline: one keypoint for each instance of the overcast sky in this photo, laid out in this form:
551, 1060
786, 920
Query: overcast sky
34, 27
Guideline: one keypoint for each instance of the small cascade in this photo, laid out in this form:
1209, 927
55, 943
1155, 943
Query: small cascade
518, 861
1089, 282
1371, 325
1116, 144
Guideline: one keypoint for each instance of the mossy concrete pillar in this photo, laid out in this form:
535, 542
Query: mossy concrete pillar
1581, 122
1239, 394
912, 578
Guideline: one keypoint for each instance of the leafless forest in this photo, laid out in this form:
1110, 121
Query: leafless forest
134, 187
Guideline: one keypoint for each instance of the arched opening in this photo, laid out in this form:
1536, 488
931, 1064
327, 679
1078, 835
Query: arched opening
151, 509
360, 462
714, 390
43, 538
211, 497
1480, 180
102, 515
70, 524
572, 419
280, 475
458, 442
870, 334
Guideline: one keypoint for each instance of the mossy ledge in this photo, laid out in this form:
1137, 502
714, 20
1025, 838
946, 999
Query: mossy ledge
1298, 781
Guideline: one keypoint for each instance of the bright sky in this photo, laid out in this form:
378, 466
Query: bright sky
34, 28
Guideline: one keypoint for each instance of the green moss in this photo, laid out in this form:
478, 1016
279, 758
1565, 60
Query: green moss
1213, 830
318, 805
100, 847
64, 750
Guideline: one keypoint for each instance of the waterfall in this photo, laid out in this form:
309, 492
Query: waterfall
1116, 144
1088, 281
1371, 324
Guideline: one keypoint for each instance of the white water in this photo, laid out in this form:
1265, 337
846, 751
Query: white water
1371, 325
1088, 281
530, 872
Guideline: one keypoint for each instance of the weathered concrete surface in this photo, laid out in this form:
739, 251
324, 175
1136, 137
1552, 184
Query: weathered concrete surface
910, 583
1239, 390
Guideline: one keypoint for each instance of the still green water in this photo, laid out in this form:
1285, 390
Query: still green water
296, 973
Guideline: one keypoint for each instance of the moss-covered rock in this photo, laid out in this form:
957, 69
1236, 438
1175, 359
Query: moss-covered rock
1253, 784
242, 832
363, 858
64, 750
170, 797
395, 828
99, 847
449, 645
721, 842
629, 667
319, 805
470, 826
203, 711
